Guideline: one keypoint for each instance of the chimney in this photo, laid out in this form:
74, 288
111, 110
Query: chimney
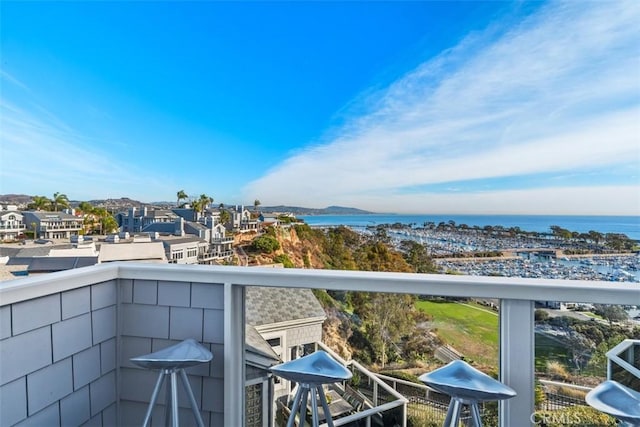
178, 229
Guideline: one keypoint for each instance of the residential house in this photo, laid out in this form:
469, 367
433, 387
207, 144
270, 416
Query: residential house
241, 220
183, 250
136, 220
220, 245
290, 320
269, 220
53, 225
259, 357
11, 224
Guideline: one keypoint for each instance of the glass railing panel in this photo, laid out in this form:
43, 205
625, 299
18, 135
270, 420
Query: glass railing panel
571, 342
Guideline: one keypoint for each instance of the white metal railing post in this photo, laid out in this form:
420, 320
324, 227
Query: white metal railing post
234, 370
404, 414
517, 358
375, 394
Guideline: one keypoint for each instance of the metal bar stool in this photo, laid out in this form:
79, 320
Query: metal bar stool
172, 361
616, 400
466, 386
311, 372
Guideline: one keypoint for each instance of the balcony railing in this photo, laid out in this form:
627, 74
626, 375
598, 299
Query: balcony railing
15, 227
51, 324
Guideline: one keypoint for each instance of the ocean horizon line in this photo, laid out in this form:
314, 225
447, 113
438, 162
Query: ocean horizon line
476, 214
622, 224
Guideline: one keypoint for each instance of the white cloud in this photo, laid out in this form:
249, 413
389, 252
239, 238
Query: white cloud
558, 92
609, 200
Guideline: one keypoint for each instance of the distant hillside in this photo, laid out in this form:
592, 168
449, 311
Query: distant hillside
121, 203
330, 210
15, 199
125, 203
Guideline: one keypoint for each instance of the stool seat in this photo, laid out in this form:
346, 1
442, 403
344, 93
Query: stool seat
171, 361
461, 380
310, 372
179, 356
316, 368
467, 386
615, 399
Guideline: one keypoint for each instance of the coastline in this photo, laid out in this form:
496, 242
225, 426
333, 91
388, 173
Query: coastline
628, 225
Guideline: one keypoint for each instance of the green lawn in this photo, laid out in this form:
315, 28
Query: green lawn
471, 330
548, 349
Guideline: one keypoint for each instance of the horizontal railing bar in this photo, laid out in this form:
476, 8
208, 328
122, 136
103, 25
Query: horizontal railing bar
404, 382
411, 283
561, 384
366, 413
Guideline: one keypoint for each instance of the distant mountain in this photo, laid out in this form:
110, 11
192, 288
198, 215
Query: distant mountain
15, 199
330, 210
124, 203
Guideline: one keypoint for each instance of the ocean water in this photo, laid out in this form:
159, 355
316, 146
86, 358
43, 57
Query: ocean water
629, 225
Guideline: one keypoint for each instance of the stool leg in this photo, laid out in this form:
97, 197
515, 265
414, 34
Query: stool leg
315, 422
192, 399
175, 422
325, 406
154, 397
294, 408
447, 420
303, 404
167, 402
454, 421
475, 414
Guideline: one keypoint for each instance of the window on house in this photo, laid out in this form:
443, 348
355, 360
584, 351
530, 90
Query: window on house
253, 405
274, 342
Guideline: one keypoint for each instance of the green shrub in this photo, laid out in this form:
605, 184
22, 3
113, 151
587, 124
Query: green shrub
284, 260
541, 315
265, 243
324, 298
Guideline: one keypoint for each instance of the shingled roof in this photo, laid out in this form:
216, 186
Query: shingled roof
279, 305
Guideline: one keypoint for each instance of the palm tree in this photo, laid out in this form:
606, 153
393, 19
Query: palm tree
204, 202
181, 195
225, 216
256, 203
196, 205
59, 199
101, 214
40, 202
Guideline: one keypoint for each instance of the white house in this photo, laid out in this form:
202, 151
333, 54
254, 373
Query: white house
11, 225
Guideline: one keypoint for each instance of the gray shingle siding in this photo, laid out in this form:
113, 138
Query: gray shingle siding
49, 360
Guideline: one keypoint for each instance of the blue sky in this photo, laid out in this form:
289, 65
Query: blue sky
413, 107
